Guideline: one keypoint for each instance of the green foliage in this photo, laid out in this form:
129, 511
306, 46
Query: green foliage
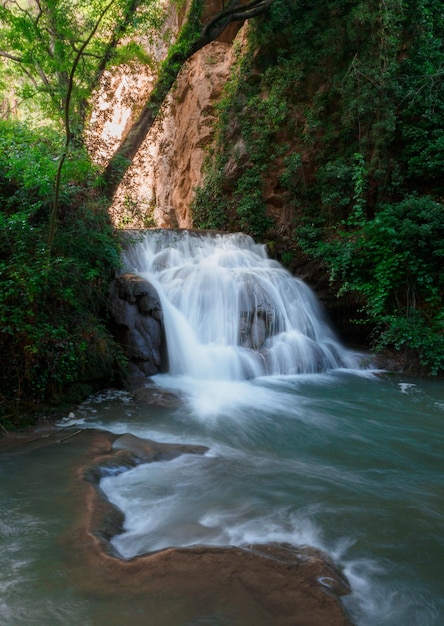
258, 121
395, 264
250, 204
42, 40
421, 95
367, 78
52, 335
28, 168
131, 52
210, 208
178, 53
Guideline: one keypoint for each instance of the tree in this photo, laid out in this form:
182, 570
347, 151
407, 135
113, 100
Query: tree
55, 51
59, 50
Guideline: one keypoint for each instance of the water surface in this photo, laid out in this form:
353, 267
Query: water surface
349, 463
304, 447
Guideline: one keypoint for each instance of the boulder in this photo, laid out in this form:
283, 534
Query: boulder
137, 323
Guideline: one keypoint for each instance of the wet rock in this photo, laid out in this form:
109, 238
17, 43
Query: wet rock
242, 585
149, 451
268, 584
253, 329
137, 315
156, 396
329, 575
127, 451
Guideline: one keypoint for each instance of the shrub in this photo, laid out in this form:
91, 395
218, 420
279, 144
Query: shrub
395, 264
52, 330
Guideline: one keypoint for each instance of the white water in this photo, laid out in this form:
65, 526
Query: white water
304, 447
342, 461
230, 312
244, 338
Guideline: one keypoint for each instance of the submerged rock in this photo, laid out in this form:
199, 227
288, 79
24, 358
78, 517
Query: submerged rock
149, 451
153, 395
254, 584
127, 451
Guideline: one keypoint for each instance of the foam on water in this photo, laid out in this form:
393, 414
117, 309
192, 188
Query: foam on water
230, 312
345, 462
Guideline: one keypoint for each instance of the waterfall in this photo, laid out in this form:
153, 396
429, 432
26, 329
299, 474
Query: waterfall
230, 312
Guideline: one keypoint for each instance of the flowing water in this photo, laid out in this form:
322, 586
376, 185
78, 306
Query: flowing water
323, 453
232, 313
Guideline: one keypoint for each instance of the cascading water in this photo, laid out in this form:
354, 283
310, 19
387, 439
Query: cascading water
340, 459
230, 312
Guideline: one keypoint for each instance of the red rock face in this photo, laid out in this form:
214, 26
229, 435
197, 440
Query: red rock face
159, 185
158, 188
126, 88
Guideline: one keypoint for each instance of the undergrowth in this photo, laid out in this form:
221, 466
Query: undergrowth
54, 341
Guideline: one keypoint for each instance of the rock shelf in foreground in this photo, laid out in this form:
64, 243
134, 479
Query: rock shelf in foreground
277, 584
250, 585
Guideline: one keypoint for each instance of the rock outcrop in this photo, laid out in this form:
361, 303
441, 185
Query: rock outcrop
128, 451
275, 583
265, 584
159, 185
125, 89
137, 320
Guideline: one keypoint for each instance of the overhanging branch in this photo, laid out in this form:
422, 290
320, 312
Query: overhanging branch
233, 13
12, 57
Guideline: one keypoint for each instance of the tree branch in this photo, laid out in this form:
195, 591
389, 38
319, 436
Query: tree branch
67, 122
237, 13
12, 57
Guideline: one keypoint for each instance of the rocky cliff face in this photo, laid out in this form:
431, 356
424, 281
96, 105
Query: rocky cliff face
159, 185
124, 89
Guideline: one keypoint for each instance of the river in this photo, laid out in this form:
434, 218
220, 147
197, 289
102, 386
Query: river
351, 464
339, 457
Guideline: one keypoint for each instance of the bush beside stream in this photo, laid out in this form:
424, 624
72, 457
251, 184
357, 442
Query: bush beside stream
54, 342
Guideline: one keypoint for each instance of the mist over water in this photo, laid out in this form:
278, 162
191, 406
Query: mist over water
304, 447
